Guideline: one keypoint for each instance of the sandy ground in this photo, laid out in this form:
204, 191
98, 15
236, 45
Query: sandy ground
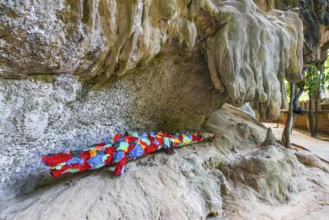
311, 202
318, 146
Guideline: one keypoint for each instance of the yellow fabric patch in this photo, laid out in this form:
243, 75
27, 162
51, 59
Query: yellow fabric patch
93, 153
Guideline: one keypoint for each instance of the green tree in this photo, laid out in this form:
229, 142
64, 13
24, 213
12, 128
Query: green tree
316, 78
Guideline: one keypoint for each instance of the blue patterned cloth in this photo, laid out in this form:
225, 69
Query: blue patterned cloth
75, 160
118, 155
137, 151
96, 161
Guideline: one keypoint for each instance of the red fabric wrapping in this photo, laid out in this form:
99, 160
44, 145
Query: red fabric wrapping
160, 140
120, 165
56, 173
99, 146
196, 138
151, 139
110, 151
80, 167
150, 149
130, 148
85, 155
116, 137
55, 159
130, 139
143, 144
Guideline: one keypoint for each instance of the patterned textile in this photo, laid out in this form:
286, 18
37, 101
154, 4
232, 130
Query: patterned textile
119, 150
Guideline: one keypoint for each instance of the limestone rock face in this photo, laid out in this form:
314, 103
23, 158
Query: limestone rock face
65, 36
258, 52
57, 114
74, 72
248, 50
315, 17
269, 171
191, 184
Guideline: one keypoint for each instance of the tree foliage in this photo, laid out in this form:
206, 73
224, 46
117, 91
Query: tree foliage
316, 78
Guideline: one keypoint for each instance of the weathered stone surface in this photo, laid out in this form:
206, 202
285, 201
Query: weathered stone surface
248, 51
45, 115
188, 185
64, 36
270, 139
249, 55
312, 160
90, 68
315, 17
269, 171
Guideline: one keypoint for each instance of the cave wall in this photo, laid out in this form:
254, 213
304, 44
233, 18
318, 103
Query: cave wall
315, 17
246, 46
250, 55
45, 114
75, 72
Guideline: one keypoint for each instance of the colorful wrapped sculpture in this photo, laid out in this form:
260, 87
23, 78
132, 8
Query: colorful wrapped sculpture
118, 150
